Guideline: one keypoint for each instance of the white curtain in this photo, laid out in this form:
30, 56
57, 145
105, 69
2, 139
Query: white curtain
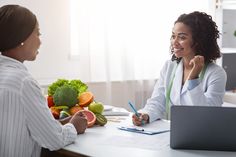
123, 40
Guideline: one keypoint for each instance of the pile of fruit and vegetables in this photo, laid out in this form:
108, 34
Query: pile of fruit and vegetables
66, 97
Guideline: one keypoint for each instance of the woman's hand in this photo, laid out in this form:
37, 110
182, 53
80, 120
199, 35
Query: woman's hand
79, 120
143, 118
197, 64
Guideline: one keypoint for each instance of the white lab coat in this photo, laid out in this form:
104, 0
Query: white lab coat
209, 92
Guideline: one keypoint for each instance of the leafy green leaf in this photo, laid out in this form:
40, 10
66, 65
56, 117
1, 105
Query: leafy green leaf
78, 85
53, 87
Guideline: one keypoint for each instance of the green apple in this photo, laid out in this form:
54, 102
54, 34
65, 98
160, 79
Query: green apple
96, 107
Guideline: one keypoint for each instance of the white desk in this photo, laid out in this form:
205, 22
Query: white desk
108, 141
230, 97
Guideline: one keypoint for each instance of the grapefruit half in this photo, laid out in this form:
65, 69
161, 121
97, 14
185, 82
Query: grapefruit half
85, 99
91, 118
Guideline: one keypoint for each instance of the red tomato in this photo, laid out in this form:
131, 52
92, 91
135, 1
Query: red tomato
50, 101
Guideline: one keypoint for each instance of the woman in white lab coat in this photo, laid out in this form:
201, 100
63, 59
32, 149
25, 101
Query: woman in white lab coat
191, 77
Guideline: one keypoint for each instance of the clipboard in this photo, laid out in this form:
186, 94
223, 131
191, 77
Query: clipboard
142, 131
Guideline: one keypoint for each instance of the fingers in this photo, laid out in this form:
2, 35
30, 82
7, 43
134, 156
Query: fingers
136, 120
80, 114
197, 64
79, 121
141, 120
145, 118
198, 59
82, 125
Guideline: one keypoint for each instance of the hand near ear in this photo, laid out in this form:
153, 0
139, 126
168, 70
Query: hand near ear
197, 64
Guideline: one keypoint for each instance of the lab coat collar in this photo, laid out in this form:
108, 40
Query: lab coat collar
177, 84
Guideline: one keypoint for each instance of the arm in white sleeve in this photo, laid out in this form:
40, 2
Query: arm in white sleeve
42, 126
155, 106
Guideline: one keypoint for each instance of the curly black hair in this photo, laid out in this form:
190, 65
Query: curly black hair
204, 33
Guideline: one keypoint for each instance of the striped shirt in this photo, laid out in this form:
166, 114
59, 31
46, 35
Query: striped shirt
26, 123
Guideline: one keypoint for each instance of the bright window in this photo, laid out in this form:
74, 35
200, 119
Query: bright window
125, 39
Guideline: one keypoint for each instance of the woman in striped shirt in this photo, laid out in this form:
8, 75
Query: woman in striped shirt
26, 123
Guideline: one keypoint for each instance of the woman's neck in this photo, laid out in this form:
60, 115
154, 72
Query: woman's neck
13, 54
186, 64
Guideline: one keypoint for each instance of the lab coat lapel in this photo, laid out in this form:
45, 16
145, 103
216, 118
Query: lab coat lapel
177, 83
184, 89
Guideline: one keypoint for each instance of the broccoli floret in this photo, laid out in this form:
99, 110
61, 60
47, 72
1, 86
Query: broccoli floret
65, 96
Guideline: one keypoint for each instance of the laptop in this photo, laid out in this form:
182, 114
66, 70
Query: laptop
203, 128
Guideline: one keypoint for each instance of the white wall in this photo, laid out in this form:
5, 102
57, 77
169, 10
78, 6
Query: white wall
53, 60
123, 92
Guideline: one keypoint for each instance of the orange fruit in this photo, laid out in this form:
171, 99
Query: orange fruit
55, 112
91, 118
85, 99
75, 109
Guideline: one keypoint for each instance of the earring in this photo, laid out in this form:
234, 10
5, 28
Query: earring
22, 44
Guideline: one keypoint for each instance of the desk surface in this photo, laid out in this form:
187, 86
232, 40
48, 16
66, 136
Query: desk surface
110, 141
230, 97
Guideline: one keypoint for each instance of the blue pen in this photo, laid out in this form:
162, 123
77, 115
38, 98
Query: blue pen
135, 111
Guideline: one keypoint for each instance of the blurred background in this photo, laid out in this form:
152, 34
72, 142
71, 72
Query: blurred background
117, 47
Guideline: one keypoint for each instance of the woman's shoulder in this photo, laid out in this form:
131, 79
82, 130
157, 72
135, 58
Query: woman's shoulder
215, 68
170, 64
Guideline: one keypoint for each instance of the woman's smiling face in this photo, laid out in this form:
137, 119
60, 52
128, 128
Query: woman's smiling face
181, 41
